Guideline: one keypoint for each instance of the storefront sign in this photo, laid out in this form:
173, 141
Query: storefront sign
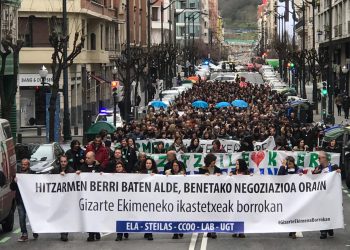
32, 80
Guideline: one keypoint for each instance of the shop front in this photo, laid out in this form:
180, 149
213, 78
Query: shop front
32, 99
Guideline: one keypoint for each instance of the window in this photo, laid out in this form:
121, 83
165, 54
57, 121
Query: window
192, 5
183, 5
83, 32
93, 41
155, 16
182, 31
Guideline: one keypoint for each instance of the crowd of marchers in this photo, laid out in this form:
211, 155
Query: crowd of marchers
266, 115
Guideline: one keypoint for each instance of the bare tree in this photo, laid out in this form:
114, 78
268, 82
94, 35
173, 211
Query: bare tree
8, 94
58, 64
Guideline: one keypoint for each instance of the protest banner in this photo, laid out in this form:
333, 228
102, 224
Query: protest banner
230, 146
263, 162
93, 202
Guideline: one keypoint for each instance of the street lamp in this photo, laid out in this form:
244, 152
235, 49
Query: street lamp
345, 72
136, 85
43, 74
114, 72
115, 94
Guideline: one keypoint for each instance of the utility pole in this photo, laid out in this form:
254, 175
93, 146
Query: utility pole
128, 59
330, 83
161, 23
302, 88
314, 80
66, 116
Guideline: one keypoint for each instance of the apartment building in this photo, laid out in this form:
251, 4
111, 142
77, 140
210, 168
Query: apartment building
333, 33
101, 22
192, 18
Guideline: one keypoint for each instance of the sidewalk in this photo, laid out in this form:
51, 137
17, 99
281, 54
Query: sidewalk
338, 119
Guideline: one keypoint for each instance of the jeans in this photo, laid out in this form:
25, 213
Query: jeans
22, 214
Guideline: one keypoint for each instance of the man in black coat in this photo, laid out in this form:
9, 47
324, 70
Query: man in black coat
117, 157
90, 167
62, 169
325, 167
22, 213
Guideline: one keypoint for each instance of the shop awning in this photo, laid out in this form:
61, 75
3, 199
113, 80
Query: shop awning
99, 79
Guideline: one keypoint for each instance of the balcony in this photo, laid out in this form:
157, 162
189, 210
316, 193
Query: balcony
299, 24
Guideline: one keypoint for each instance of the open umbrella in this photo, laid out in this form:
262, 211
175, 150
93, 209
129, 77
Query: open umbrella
98, 126
332, 134
200, 104
158, 104
187, 81
193, 78
239, 104
222, 105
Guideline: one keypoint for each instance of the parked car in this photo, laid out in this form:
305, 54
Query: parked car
224, 78
44, 157
7, 172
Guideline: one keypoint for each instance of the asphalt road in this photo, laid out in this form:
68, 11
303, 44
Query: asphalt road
308, 240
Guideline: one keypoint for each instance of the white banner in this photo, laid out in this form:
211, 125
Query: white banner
230, 146
262, 162
92, 202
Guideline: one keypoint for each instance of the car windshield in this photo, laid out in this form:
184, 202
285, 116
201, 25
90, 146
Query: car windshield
42, 153
107, 118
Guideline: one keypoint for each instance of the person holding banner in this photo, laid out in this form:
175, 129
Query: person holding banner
178, 146
63, 168
217, 148
120, 169
325, 167
210, 168
22, 213
149, 167
194, 147
289, 167
171, 156
301, 146
159, 148
241, 168
90, 167
176, 169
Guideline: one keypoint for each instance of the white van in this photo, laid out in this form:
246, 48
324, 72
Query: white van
8, 172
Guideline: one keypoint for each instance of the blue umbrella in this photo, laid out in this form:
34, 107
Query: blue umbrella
200, 104
222, 105
240, 104
158, 104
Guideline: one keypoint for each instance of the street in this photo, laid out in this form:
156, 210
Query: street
306, 240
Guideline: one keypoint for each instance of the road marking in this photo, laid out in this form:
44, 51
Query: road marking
204, 242
299, 234
193, 241
5, 239
345, 191
105, 234
348, 195
17, 231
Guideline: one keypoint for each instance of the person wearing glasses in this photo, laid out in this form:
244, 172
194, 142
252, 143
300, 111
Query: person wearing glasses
325, 167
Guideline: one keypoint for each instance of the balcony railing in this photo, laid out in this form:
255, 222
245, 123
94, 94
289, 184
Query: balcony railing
340, 30
299, 24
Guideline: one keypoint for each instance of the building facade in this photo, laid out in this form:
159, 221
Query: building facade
102, 23
192, 21
333, 33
